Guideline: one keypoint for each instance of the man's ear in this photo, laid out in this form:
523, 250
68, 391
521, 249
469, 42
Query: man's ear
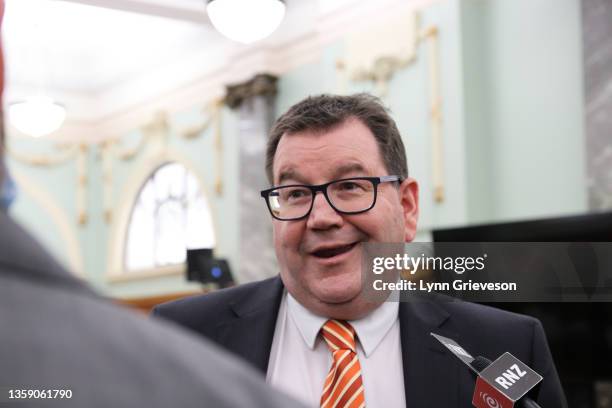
409, 196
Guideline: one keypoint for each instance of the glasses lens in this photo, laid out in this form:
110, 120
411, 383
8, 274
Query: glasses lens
352, 195
290, 202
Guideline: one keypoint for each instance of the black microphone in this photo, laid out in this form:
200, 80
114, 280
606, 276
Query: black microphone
480, 363
503, 383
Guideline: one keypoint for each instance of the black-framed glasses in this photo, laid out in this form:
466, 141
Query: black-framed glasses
347, 196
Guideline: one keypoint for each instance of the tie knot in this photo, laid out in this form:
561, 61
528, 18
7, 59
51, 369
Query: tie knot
339, 335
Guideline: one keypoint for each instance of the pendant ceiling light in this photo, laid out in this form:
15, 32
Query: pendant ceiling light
37, 116
246, 21
33, 112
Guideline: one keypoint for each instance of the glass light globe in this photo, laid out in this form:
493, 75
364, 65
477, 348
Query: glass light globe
37, 116
246, 21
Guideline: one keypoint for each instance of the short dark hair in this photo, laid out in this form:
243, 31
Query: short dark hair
324, 112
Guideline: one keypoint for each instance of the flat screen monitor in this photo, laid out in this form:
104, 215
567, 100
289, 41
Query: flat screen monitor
203, 267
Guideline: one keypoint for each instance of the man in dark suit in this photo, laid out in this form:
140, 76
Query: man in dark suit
62, 345
312, 331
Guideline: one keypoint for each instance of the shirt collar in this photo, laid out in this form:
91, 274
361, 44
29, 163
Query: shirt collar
370, 329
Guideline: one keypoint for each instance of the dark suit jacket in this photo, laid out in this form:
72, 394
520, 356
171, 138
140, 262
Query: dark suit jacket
243, 320
56, 333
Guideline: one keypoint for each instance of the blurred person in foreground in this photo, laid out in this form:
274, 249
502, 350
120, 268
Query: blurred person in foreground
339, 173
59, 338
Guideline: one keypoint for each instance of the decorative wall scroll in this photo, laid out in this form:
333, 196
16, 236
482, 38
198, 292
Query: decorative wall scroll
81, 192
430, 35
377, 53
106, 156
211, 111
218, 149
65, 154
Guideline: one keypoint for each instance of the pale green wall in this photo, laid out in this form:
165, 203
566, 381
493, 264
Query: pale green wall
480, 181
524, 108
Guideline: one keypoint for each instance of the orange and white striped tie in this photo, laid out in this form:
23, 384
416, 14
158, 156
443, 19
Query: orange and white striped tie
343, 385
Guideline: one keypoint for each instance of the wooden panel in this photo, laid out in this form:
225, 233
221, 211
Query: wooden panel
146, 304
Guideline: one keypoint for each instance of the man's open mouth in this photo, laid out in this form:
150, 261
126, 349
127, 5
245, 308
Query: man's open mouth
335, 251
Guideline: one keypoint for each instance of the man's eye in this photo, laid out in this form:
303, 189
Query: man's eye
296, 194
349, 186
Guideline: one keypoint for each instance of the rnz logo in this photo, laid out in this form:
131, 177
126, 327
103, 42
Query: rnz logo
489, 400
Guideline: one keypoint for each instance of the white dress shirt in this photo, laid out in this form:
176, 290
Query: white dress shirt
300, 360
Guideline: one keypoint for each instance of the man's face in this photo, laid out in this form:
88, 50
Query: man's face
331, 285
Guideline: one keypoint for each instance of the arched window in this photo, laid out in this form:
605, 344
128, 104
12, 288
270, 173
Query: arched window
170, 215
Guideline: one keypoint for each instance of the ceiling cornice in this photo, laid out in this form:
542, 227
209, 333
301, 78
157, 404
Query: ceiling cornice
189, 11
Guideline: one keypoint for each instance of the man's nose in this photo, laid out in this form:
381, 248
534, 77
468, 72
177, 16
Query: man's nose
323, 216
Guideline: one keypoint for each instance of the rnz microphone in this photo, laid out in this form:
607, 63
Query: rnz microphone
479, 364
503, 383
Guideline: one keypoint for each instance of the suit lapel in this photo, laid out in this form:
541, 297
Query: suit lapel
249, 334
431, 377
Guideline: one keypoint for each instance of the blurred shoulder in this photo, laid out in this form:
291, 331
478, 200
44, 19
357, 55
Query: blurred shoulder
61, 335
